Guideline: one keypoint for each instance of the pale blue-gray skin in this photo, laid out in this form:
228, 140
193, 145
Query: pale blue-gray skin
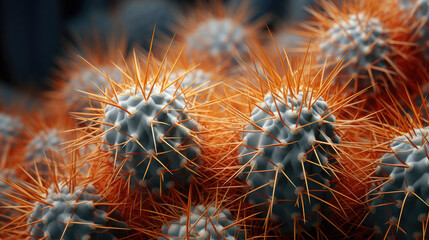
422, 13
172, 124
337, 42
288, 158
208, 226
43, 144
6, 174
79, 206
414, 179
406, 4
9, 126
197, 80
217, 37
91, 81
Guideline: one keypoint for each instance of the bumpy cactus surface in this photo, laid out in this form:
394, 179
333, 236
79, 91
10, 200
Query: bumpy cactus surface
362, 39
9, 126
194, 79
218, 37
422, 13
43, 144
204, 223
286, 143
407, 188
154, 137
73, 215
88, 80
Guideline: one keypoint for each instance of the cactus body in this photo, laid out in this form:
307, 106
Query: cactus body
272, 148
156, 136
43, 144
77, 210
88, 80
217, 37
362, 39
413, 180
9, 126
206, 224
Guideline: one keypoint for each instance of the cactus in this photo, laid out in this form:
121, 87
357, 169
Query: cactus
363, 39
43, 144
401, 201
282, 153
5, 188
215, 32
87, 80
421, 13
197, 78
153, 135
68, 214
204, 223
9, 126
375, 38
217, 37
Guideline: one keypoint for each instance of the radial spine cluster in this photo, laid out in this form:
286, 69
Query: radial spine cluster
218, 37
9, 126
286, 144
153, 137
422, 14
360, 40
411, 180
73, 215
43, 144
204, 223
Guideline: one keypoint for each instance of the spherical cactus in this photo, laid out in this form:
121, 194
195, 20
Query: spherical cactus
72, 214
197, 78
402, 201
374, 38
217, 37
286, 150
88, 80
421, 13
363, 39
215, 32
43, 144
152, 133
86, 68
9, 126
4, 191
204, 223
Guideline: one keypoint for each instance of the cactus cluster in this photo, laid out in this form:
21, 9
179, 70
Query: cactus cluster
222, 133
153, 136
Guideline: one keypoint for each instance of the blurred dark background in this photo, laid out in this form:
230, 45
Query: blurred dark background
33, 33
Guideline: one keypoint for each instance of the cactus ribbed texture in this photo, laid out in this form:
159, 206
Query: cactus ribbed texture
9, 126
411, 180
362, 39
204, 223
73, 215
287, 143
44, 143
218, 37
155, 138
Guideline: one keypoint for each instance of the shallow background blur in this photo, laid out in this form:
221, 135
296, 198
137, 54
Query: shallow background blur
34, 33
